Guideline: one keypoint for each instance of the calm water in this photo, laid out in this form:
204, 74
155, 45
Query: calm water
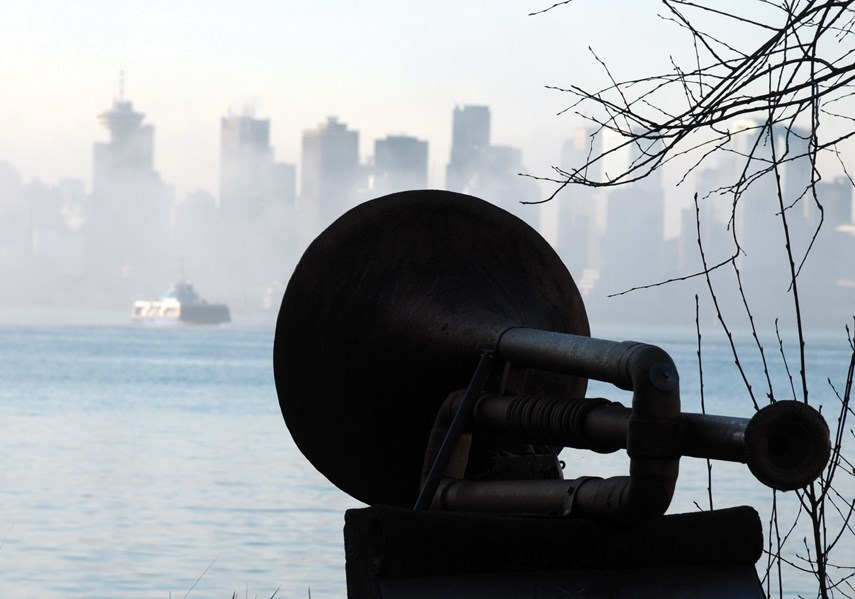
136, 459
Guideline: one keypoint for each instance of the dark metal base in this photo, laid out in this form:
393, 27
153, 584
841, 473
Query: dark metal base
710, 582
395, 553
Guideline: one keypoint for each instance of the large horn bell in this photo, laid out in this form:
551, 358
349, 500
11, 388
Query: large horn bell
386, 314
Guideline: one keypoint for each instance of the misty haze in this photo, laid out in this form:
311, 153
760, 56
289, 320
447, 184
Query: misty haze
67, 246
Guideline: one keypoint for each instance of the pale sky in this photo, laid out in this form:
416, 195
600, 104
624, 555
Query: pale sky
383, 67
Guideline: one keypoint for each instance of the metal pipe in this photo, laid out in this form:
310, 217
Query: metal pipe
550, 497
647, 371
786, 444
592, 358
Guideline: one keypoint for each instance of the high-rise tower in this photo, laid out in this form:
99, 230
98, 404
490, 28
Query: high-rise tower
244, 153
469, 142
130, 150
330, 170
488, 171
249, 178
128, 234
400, 163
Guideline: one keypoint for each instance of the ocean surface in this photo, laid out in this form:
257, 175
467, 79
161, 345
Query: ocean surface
154, 462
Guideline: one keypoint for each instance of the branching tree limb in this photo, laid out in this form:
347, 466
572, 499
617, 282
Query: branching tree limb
766, 106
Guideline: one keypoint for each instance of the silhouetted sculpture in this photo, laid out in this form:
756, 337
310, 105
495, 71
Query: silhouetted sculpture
432, 351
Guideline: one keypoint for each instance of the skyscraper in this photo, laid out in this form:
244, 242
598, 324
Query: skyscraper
498, 180
330, 170
127, 227
400, 163
579, 235
128, 153
470, 140
835, 248
491, 172
252, 235
762, 259
249, 177
836, 198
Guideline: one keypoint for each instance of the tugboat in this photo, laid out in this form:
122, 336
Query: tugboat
179, 305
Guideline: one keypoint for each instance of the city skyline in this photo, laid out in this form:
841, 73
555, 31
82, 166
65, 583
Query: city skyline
190, 74
188, 65
245, 146
295, 64
119, 240
675, 198
247, 235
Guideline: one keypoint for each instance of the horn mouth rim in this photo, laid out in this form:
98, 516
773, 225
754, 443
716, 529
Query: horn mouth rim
410, 286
